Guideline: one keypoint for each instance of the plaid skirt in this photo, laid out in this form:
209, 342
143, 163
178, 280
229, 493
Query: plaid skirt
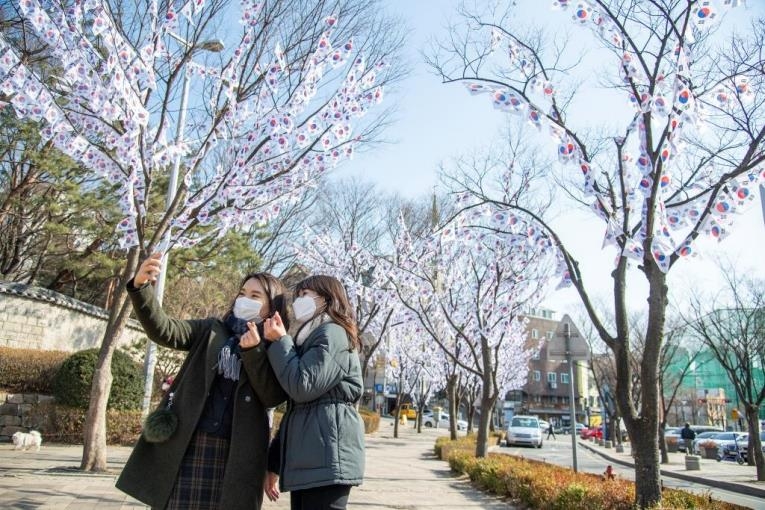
200, 478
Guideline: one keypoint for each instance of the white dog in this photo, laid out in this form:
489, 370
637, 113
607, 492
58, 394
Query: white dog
25, 441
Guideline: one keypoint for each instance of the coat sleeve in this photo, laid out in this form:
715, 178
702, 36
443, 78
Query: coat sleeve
275, 453
161, 329
307, 376
262, 377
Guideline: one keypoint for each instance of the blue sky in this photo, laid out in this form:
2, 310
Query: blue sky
437, 122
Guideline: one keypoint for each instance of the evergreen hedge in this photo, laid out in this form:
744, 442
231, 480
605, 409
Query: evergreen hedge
540, 485
71, 385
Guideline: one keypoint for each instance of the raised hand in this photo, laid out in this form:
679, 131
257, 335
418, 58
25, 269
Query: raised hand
149, 270
251, 338
273, 328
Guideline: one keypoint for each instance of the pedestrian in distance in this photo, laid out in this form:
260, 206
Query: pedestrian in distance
687, 435
206, 446
318, 452
551, 431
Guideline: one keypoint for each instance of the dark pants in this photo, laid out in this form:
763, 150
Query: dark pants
329, 497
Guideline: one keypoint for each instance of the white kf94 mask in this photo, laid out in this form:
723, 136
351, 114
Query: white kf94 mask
247, 309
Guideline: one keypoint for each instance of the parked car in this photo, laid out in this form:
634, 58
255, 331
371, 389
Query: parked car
544, 425
698, 429
588, 432
406, 410
578, 427
524, 430
700, 438
672, 436
722, 439
744, 448
428, 420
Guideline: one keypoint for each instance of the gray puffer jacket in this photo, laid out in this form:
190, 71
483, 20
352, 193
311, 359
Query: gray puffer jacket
321, 438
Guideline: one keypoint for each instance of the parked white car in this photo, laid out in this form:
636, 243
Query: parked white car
700, 438
430, 421
524, 430
722, 439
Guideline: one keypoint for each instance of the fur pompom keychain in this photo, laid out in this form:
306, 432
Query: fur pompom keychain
161, 424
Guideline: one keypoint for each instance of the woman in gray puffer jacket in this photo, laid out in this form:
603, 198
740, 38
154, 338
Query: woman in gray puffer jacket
321, 439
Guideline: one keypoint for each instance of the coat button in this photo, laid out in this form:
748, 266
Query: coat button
247, 398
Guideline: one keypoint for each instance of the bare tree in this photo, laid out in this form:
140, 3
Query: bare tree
658, 181
461, 283
344, 241
731, 324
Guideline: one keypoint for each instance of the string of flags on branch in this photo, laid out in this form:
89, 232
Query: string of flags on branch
97, 112
672, 104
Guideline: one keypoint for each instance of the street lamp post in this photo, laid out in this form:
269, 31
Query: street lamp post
150, 361
571, 382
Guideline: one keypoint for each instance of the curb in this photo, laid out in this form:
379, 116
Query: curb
728, 486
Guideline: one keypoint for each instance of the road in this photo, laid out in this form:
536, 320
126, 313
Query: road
559, 452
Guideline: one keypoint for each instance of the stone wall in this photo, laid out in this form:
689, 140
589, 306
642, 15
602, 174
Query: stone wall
16, 413
37, 318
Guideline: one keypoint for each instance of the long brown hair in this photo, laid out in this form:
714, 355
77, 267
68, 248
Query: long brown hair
338, 306
275, 292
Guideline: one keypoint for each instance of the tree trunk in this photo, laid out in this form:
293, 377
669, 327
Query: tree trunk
451, 395
755, 445
647, 476
94, 437
488, 399
663, 445
482, 439
647, 460
397, 416
471, 417
642, 424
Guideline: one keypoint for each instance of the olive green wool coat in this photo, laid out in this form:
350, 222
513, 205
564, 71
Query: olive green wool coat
321, 437
151, 470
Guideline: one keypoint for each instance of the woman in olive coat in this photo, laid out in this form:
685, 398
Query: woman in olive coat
320, 446
216, 456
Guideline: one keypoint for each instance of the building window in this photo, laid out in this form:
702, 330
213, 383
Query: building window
535, 355
550, 335
534, 334
537, 375
564, 378
551, 377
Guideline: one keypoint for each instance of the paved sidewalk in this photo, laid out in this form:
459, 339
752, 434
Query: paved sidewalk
724, 475
400, 474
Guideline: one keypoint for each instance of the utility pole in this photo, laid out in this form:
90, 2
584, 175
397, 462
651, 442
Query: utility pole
562, 348
150, 361
572, 402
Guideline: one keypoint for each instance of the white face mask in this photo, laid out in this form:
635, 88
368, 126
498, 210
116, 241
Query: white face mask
247, 309
304, 308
